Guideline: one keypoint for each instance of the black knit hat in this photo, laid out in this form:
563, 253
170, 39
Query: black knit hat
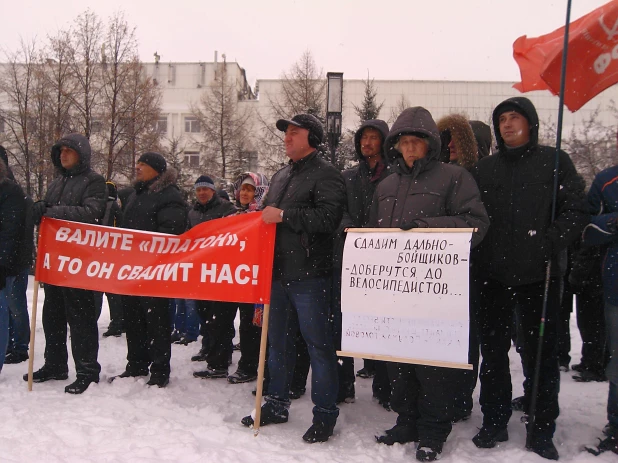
508, 107
154, 160
205, 181
305, 121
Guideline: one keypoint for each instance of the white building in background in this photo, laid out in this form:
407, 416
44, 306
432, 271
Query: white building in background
183, 83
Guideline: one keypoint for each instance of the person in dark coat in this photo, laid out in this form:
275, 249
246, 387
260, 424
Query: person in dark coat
482, 133
516, 185
155, 205
78, 195
113, 218
17, 285
459, 147
12, 223
305, 200
424, 193
217, 317
360, 183
603, 231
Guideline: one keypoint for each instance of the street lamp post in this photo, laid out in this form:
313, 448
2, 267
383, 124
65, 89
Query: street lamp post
334, 106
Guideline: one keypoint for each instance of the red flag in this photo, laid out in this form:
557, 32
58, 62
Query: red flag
228, 259
592, 64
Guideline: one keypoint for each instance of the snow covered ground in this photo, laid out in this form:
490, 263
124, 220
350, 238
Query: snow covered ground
199, 420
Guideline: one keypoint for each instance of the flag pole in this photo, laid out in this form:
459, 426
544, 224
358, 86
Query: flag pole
539, 350
260, 378
35, 300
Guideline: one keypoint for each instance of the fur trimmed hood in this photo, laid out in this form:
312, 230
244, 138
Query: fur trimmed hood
456, 127
167, 178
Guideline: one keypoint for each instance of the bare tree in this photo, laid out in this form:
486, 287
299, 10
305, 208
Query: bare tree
303, 91
18, 83
85, 61
369, 108
223, 124
402, 103
592, 146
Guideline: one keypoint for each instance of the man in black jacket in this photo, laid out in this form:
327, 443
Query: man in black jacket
12, 220
156, 205
217, 317
305, 200
77, 194
17, 283
516, 187
360, 184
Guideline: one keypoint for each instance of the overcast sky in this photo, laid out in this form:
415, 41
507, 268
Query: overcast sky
390, 39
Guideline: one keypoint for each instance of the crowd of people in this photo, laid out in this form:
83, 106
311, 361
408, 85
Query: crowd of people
536, 245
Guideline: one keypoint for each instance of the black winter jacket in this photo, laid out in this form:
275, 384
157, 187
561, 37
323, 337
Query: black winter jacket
431, 194
12, 220
77, 194
311, 193
516, 187
156, 206
216, 208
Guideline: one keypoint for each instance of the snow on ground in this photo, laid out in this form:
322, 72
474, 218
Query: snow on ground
195, 420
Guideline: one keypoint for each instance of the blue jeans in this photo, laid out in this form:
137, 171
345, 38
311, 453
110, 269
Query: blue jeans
14, 295
611, 328
303, 304
186, 319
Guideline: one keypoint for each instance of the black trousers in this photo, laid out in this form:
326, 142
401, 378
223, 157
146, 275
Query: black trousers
564, 326
75, 307
424, 397
497, 304
148, 329
249, 340
116, 313
591, 324
218, 320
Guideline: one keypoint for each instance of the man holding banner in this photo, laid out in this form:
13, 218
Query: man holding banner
155, 205
424, 193
77, 194
306, 201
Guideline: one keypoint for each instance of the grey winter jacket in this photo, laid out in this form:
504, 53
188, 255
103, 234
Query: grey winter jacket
77, 194
431, 194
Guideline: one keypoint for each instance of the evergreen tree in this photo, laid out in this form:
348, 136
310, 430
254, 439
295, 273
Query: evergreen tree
369, 108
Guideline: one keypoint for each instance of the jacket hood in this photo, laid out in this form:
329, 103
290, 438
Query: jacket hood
377, 124
462, 135
482, 133
80, 144
525, 106
410, 121
261, 188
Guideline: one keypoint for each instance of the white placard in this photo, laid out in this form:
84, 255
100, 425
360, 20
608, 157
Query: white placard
405, 295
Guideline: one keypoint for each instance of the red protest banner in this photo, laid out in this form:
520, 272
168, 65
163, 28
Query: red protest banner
228, 259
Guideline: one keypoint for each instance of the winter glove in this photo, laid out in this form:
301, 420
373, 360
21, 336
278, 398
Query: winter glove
38, 211
409, 226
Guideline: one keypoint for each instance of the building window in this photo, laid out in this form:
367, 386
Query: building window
96, 126
162, 125
192, 158
192, 125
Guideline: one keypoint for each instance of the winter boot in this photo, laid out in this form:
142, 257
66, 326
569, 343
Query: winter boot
113, 331
16, 357
318, 432
210, 373
544, 447
297, 393
159, 381
365, 373
241, 377
346, 394
128, 373
200, 357
610, 443
271, 414
428, 450
399, 434
588, 376
80, 385
487, 437
517, 404
46, 374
